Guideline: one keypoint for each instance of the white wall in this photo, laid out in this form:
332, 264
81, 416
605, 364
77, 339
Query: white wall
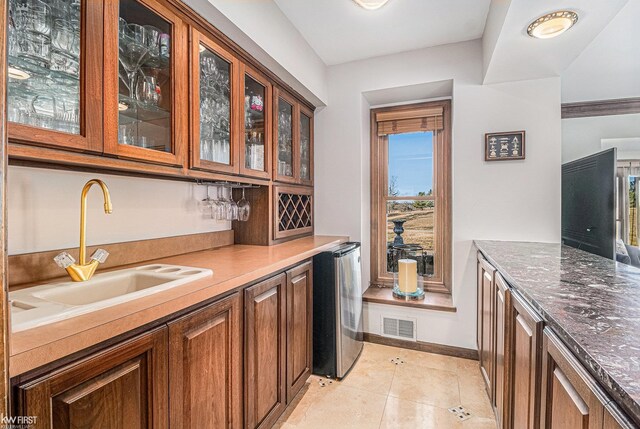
44, 209
260, 27
505, 200
610, 66
583, 136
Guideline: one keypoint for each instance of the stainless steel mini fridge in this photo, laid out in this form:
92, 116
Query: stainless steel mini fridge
337, 310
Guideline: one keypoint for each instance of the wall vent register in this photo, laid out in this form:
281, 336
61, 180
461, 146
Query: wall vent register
394, 327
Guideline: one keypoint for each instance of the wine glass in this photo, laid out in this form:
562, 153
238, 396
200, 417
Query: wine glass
244, 208
133, 50
206, 203
232, 208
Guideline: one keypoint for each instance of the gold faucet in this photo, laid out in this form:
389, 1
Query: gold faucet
83, 271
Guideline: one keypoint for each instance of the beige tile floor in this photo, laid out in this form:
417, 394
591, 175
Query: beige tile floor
378, 393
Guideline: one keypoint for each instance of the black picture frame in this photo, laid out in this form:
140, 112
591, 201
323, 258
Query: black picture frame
505, 146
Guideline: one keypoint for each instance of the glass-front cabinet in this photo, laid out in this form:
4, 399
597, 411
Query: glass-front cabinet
255, 153
54, 88
214, 115
306, 146
293, 129
145, 117
285, 149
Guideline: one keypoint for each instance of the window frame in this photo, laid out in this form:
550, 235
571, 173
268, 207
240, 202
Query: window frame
441, 197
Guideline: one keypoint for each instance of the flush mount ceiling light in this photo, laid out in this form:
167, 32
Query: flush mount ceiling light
371, 4
552, 24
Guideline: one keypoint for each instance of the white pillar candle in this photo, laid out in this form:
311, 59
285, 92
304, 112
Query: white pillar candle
407, 275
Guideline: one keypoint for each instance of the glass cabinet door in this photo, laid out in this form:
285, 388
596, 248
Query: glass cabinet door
306, 146
255, 155
284, 124
213, 85
152, 44
55, 78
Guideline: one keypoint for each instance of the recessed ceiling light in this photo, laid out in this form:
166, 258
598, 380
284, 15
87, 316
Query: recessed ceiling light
371, 4
552, 24
16, 73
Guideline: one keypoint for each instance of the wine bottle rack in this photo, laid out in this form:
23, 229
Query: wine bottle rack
294, 211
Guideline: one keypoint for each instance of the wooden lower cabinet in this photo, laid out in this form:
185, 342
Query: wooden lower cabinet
571, 397
525, 337
224, 365
299, 327
205, 367
265, 352
501, 398
486, 323
123, 387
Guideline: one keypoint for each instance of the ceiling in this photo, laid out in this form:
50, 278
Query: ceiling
516, 56
340, 31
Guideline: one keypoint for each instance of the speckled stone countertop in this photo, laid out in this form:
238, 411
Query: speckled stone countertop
591, 302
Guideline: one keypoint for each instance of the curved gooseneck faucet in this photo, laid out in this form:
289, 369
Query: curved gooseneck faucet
83, 271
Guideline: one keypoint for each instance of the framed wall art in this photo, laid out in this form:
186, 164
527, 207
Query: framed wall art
504, 146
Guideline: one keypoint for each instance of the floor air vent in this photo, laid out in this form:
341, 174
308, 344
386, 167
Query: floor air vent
394, 327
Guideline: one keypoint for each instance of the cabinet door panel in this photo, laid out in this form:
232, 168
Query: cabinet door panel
255, 153
305, 128
285, 126
55, 89
122, 387
299, 327
265, 352
502, 350
525, 364
205, 367
571, 398
145, 109
487, 328
215, 115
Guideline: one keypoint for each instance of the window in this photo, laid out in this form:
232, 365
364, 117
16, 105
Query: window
411, 182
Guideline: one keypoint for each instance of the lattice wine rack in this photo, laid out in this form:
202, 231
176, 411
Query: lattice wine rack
294, 212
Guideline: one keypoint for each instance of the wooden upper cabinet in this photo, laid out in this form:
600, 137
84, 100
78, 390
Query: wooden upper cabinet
305, 143
256, 124
571, 398
215, 103
265, 352
284, 130
299, 327
205, 367
293, 140
146, 82
54, 95
123, 387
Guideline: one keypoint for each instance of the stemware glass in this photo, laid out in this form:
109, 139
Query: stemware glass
244, 208
206, 203
232, 208
133, 50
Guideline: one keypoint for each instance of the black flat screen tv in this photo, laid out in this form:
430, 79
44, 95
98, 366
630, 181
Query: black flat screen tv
588, 203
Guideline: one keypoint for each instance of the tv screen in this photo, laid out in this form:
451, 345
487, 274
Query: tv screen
588, 203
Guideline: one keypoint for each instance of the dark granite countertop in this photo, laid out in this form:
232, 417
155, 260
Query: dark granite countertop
591, 302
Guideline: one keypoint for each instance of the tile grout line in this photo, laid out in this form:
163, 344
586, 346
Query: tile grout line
386, 399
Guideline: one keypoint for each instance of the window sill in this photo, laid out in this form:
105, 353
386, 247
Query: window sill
432, 300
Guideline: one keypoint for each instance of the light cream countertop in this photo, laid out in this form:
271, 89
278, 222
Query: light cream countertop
233, 267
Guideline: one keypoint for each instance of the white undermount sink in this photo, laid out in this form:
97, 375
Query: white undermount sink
40, 305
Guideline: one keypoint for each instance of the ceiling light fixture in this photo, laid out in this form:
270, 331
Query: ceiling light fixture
371, 4
552, 24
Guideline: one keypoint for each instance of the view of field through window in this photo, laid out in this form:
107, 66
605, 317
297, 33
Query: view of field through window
410, 174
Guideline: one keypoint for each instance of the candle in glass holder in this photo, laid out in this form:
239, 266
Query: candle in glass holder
407, 275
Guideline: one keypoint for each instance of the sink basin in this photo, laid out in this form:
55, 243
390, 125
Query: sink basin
50, 303
102, 289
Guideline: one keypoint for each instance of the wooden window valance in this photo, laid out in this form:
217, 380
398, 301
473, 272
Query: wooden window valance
410, 121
